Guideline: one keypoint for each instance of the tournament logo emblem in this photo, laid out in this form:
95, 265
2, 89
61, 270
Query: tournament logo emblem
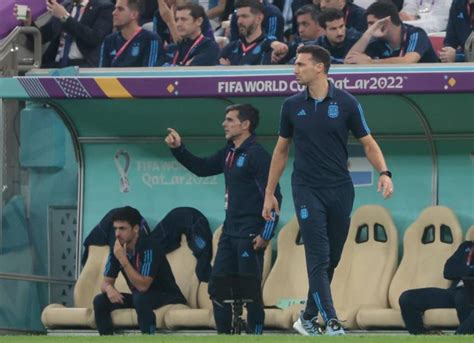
135, 50
333, 110
241, 161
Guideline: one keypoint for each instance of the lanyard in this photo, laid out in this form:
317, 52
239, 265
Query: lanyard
246, 49
346, 15
402, 47
229, 160
191, 49
127, 43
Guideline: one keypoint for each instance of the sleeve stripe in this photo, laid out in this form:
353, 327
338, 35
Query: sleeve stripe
101, 60
153, 53
268, 229
362, 118
147, 263
413, 41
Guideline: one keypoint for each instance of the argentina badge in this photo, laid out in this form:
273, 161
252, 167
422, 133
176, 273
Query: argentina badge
333, 110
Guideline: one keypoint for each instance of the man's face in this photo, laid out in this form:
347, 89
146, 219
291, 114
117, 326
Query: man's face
123, 15
337, 4
336, 31
124, 232
308, 29
186, 26
247, 21
233, 127
384, 30
307, 69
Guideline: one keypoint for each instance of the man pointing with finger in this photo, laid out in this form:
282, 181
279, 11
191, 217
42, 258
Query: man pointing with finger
146, 270
319, 120
245, 234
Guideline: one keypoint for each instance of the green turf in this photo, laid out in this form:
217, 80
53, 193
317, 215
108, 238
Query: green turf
231, 339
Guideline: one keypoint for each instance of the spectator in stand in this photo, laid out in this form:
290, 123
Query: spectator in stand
164, 23
354, 16
460, 25
388, 40
431, 16
130, 45
367, 3
75, 32
273, 23
254, 47
338, 39
193, 48
309, 30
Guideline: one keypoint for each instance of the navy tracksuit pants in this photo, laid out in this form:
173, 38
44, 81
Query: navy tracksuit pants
324, 218
236, 256
414, 302
143, 302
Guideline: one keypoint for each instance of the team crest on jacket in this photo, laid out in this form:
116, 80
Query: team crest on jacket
241, 161
257, 50
135, 50
333, 110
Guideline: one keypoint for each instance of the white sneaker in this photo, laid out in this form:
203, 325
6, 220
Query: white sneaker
334, 328
307, 327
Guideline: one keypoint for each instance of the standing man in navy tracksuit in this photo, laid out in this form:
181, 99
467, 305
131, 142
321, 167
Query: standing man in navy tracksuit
319, 120
414, 302
146, 270
245, 235
131, 45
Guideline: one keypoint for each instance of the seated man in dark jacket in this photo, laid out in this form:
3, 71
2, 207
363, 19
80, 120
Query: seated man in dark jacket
193, 47
414, 302
75, 32
146, 270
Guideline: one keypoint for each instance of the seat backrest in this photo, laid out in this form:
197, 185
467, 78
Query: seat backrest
428, 242
287, 278
89, 281
183, 264
368, 261
470, 234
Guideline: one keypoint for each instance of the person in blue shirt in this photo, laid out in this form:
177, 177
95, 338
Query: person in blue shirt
273, 23
245, 233
338, 39
146, 271
130, 45
309, 30
460, 26
193, 48
388, 40
318, 120
414, 302
354, 16
254, 47
164, 23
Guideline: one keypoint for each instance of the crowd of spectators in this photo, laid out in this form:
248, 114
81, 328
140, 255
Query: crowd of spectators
142, 33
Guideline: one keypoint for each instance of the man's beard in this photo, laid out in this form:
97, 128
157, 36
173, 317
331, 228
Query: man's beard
248, 31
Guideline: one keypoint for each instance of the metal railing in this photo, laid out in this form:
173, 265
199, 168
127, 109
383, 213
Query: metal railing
10, 48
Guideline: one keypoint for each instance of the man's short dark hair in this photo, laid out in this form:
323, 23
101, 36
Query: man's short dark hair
384, 8
310, 9
127, 214
256, 7
196, 10
329, 15
318, 53
246, 112
136, 5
